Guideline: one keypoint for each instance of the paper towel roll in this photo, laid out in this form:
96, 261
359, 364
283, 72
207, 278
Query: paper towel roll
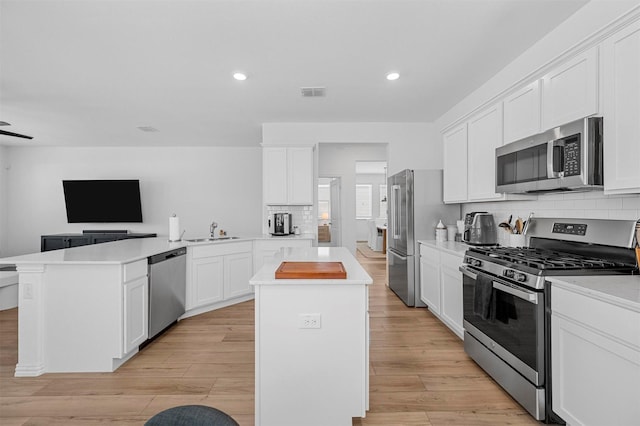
174, 228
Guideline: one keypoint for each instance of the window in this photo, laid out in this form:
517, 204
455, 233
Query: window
363, 201
383, 201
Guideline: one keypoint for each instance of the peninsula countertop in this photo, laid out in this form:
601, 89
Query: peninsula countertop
355, 273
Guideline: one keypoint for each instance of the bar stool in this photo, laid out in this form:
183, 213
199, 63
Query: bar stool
191, 415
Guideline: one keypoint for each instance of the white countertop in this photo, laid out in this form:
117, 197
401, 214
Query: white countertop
453, 247
355, 273
621, 290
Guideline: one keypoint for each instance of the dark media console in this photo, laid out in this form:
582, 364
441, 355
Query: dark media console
60, 241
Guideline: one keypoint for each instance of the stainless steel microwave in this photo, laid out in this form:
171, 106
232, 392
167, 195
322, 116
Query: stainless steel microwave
566, 158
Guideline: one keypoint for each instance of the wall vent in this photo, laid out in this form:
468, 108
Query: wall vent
313, 92
147, 129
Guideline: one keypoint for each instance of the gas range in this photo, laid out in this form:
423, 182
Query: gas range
507, 298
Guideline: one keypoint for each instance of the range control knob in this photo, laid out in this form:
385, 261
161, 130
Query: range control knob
509, 273
520, 278
475, 262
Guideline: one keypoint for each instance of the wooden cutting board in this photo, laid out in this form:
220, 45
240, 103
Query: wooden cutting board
311, 270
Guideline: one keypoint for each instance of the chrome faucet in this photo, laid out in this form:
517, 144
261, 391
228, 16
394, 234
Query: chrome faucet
212, 229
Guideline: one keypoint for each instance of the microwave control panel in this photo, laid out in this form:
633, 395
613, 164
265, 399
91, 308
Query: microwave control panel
572, 156
570, 228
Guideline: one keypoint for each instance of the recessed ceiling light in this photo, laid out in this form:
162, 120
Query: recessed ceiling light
393, 76
240, 76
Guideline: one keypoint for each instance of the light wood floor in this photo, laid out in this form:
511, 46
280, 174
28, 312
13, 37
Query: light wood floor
420, 374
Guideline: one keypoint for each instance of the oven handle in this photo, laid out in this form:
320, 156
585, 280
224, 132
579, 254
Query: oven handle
521, 294
468, 273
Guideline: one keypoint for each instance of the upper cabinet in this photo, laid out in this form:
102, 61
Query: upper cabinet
570, 91
522, 112
455, 165
287, 175
621, 96
484, 136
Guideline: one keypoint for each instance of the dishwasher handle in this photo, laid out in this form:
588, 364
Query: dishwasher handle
167, 255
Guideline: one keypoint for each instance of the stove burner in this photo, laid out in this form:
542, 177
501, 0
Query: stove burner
546, 259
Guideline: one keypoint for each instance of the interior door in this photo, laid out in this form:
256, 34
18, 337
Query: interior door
335, 213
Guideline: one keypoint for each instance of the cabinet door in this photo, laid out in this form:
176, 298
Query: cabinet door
522, 113
136, 314
484, 136
430, 280
621, 57
274, 170
570, 92
207, 280
455, 164
300, 178
452, 312
237, 273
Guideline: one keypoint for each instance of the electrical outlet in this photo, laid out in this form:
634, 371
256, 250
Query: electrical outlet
309, 321
28, 291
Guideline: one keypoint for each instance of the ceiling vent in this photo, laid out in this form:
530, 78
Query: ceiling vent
313, 92
147, 129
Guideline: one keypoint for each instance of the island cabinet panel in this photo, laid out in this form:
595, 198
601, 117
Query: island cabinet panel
136, 313
621, 91
595, 361
570, 91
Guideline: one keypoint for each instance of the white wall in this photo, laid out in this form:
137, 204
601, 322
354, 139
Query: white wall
3, 201
339, 160
411, 145
199, 184
375, 180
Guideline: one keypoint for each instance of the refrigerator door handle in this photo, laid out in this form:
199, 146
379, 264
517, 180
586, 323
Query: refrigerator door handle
397, 255
395, 219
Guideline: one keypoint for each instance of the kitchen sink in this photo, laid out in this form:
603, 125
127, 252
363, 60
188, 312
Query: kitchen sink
202, 240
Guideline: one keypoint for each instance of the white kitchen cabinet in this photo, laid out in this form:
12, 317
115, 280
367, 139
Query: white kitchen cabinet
287, 175
441, 286
522, 113
218, 273
484, 135
570, 91
595, 360
621, 92
451, 283
136, 313
455, 164
430, 278
264, 250
238, 271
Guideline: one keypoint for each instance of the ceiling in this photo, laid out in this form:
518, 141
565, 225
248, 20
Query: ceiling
89, 73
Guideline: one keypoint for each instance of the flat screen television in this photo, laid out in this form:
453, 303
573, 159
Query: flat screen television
102, 201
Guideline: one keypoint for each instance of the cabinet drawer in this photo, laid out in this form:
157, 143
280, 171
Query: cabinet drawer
429, 252
450, 260
135, 270
221, 249
612, 320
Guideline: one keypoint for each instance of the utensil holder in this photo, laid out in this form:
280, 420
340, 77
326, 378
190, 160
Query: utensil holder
517, 240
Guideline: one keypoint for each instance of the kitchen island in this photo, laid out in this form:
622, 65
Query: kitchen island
312, 342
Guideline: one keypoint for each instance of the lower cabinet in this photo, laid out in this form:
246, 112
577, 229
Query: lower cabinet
136, 313
441, 286
595, 360
217, 273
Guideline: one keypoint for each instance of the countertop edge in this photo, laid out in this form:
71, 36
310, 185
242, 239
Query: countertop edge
454, 247
620, 296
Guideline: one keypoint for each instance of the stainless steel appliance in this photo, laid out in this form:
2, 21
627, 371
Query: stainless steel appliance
167, 289
280, 224
415, 208
566, 158
479, 229
506, 299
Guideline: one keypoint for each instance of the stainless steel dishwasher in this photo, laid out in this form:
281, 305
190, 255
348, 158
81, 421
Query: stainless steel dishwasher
167, 289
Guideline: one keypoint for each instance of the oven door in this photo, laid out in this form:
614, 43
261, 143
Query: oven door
508, 319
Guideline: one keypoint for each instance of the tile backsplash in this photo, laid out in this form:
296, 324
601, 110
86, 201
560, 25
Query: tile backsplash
301, 216
583, 205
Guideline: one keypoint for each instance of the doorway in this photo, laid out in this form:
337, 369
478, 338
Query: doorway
371, 207
329, 212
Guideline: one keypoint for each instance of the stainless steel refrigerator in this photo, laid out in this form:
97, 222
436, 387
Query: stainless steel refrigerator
415, 207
